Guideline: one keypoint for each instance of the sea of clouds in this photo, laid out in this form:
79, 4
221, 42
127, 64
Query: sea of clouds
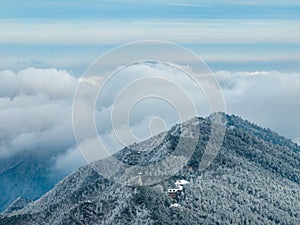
36, 108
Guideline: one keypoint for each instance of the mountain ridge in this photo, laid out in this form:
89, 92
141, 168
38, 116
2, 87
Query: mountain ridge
253, 179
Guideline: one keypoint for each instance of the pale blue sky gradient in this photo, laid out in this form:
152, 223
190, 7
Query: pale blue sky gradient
228, 35
105, 9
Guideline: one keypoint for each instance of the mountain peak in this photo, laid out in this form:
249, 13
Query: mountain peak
254, 178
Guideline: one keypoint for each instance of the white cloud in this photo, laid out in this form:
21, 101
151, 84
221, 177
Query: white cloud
269, 98
52, 83
36, 107
35, 111
68, 161
180, 31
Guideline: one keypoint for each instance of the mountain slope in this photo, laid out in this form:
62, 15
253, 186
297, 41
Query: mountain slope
28, 176
255, 179
18, 204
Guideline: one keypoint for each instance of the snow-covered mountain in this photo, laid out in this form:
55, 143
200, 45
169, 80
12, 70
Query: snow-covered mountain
254, 179
18, 204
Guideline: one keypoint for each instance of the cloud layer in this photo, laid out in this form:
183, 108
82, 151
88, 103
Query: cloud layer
36, 108
180, 31
269, 98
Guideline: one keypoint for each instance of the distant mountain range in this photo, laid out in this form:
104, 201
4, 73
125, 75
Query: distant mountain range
25, 175
254, 179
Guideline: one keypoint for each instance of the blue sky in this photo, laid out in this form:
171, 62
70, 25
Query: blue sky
229, 35
97, 9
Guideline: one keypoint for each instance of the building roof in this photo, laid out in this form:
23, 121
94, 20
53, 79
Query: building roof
181, 182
